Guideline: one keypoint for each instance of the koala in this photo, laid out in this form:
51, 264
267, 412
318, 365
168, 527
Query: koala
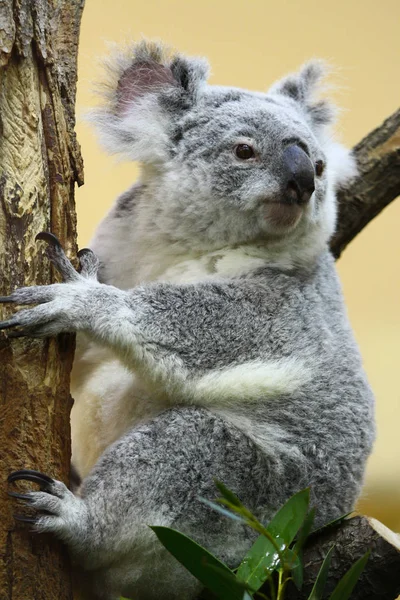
213, 341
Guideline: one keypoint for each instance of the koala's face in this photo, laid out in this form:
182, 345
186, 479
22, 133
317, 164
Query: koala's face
224, 165
252, 156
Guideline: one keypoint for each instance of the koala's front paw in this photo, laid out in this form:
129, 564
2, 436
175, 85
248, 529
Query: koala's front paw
62, 307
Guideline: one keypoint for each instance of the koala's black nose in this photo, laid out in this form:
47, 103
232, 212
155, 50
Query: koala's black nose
298, 172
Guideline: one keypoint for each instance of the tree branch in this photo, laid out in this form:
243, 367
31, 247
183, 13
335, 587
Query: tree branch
380, 579
378, 182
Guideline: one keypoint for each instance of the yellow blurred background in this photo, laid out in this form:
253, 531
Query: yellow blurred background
251, 44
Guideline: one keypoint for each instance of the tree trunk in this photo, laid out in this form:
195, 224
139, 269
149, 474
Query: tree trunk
39, 165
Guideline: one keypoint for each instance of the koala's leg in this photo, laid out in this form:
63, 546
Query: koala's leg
155, 475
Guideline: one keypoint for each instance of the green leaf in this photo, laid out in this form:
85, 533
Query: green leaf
305, 531
258, 563
222, 510
319, 585
297, 568
210, 571
232, 502
227, 494
263, 557
331, 524
345, 586
288, 520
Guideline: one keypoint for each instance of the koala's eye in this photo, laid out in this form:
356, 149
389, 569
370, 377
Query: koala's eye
244, 151
319, 167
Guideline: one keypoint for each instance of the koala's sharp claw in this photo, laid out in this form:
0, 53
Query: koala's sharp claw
84, 251
16, 334
5, 299
28, 475
25, 519
57, 256
8, 324
24, 497
89, 262
48, 237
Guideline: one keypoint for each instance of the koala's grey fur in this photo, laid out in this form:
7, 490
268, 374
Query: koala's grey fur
216, 344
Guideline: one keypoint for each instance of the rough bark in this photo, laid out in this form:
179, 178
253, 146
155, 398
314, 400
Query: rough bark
39, 165
380, 579
378, 182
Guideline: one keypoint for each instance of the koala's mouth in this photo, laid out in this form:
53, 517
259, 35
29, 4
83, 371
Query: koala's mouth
282, 214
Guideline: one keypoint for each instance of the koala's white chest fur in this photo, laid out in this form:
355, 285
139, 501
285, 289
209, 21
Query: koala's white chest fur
110, 399
224, 263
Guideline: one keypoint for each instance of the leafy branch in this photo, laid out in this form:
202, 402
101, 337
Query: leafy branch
272, 562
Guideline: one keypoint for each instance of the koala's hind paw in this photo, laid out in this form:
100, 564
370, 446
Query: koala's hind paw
62, 508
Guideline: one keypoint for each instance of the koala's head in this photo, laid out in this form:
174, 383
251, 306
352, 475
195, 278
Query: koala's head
223, 165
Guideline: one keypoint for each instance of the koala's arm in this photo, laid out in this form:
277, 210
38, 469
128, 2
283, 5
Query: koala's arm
166, 332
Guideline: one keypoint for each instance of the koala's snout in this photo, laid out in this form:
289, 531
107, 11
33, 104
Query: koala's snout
298, 172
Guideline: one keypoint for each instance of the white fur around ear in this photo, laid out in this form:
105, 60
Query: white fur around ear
146, 86
341, 163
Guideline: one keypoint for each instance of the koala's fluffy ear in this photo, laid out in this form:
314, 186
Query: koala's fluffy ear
302, 87
146, 89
